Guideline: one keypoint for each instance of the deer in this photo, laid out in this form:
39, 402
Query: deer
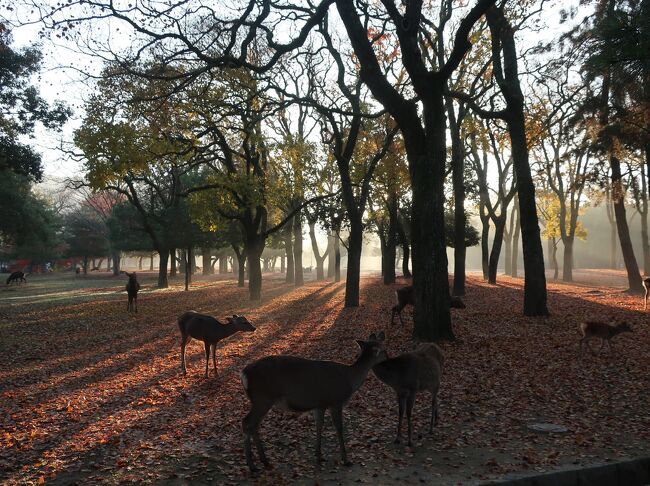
409, 373
646, 286
599, 330
16, 277
405, 297
210, 331
301, 385
132, 288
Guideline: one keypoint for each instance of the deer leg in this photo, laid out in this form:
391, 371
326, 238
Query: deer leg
401, 401
214, 359
319, 417
135, 301
337, 418
207, 357
434, 410
250, 426
410, 400
184, 341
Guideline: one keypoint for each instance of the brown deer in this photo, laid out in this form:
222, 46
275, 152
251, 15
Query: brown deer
17, 277
300, 385
599, 330
210, 331
410, 373
132, 288
405, 297
646, 286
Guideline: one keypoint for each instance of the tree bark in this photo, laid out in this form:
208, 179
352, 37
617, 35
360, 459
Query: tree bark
556, 267
354, 261
172, 258
241, 266
515, 247
507, 76
140, 262
299, 279
485, 242
320, 259
188, 267
618, 194
151, 262
499, 228
567, 264
206, 261
337, 257
116, 257
288, 249
391, 240
458, 183
406, 251
163, 254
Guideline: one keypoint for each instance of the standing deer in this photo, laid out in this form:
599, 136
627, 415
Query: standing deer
405, 297
300, 385
17, 277
599, 330
210, 331
410, 373
132, 288
646, 286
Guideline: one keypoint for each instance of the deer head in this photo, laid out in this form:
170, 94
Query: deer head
240, 323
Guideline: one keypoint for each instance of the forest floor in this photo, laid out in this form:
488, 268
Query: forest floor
89, 393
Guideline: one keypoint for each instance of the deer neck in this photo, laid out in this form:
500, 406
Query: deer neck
359, 370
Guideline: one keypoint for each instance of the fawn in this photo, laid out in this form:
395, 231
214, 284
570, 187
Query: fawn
210, 331
132, 288
646, 286
410, 373
300, 385
599, 330
405, 297
17, 277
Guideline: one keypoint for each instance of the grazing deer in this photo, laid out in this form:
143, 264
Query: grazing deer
210, 331
599, 330
646, 286
300, 385
16, 277
405, 297
410, 373
132, 288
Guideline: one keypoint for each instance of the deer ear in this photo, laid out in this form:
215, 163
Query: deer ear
372, 337
381, 336
361, 343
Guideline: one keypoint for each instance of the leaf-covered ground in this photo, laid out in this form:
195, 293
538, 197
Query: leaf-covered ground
91, 394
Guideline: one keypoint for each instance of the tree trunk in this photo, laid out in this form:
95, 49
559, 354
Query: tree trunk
254, 248
85, 265
140, 262
116, 257
535, 298
432, 318
162, 268
299, 279
283, 266
499, 228
567, 264
320, 259
353, 276
406, 251
331, 256
507, 239
485, 243
458, 182
337, 257
188, 267
391, 240
618, 194
288, 248
151, 262
206, 261
556, 267
515, 248
382, 246
172, 258
241, 266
